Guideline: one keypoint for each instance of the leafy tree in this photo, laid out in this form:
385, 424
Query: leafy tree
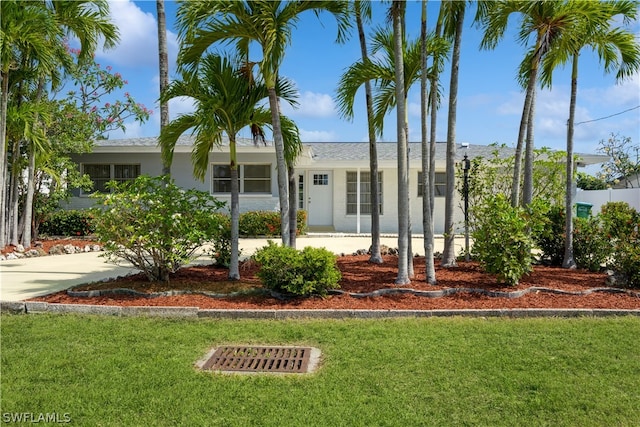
584, 181
624, 163
493, 175
154, 224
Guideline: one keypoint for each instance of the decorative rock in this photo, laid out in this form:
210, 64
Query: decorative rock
56, 250
87, 248
393, 251
96, 248
11, 256
69, 249
20, 248
32, 253
2, 257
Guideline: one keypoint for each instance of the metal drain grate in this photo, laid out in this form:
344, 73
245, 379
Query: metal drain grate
259, 359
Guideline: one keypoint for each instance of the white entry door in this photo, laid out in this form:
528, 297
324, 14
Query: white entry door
320, 198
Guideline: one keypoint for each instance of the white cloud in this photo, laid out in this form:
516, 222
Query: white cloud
317, 136
312, 104
133, 130
180, 105
625, 93
138, 46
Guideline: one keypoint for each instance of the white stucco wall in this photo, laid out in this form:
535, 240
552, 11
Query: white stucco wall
182, 173
389, 218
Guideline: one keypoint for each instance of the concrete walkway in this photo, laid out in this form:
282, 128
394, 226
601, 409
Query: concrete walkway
31, 277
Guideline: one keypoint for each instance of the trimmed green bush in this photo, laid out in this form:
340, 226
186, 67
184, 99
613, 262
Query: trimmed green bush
290, 271
551, 238
503, 238
68, 223
627, 262
267, 223
619, 220
154, 224
591, 248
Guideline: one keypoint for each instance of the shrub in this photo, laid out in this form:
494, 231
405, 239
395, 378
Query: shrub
154, 225
287, 270
627, 262
221, 244
619, 220
591, 248
68, 223
503, 238
267, 223
551, 239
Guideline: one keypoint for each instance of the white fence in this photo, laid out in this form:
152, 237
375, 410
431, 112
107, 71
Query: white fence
599, 197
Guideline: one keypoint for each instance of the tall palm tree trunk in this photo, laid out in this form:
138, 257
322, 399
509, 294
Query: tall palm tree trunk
527, 180
281, 166
569, 261
234, 267
397, 9
163, 65
4, 100
449, 256
375, 256
427, 221
293, 205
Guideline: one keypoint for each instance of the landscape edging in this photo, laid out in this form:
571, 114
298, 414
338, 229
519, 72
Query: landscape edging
37, 307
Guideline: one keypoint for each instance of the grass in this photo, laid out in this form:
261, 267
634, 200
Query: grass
105, 371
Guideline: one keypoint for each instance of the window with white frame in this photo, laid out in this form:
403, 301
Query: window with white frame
440, 184
253, 179
102, 173
365, 193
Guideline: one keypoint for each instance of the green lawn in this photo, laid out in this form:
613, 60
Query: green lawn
403, 372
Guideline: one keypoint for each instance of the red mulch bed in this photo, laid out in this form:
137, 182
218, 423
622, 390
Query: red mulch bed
358, 275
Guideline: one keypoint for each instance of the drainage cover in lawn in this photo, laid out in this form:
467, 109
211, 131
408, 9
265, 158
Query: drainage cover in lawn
295, 360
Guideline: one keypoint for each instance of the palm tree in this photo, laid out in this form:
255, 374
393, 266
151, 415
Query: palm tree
163, 67
427, 208
227, 100
397, 14
454, 20
546, 20
362, 11
617, 50
269, 24
34, 37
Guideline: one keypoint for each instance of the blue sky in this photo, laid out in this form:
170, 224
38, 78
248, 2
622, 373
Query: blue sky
489, 98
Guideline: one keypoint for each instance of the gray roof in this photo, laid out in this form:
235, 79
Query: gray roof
345, 151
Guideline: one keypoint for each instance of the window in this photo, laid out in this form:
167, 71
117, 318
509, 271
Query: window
300, 191
365, 192
253, 179
320, 179
100, 174
440, 184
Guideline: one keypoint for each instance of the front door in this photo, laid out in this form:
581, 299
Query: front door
320, 198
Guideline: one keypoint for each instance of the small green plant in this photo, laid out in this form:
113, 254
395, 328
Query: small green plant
551, 238
591, 248
68, 223
154, 225
503, 238
288, 270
